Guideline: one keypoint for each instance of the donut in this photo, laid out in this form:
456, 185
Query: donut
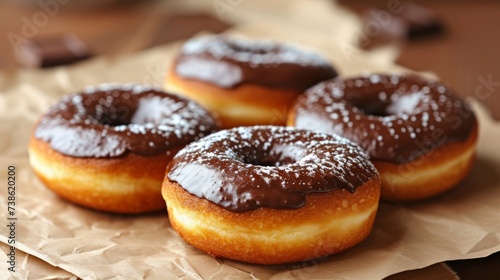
107, 147
418, 133
271, 194
245, 82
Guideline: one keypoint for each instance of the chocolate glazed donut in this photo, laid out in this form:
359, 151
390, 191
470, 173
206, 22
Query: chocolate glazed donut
107, 147
271, 195
245, 82
419, 134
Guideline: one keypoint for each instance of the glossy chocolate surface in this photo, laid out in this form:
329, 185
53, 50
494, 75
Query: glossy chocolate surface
111, 120
245, 168
227, 63
394, 118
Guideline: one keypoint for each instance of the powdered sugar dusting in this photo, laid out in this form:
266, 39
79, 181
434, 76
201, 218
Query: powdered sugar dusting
253, 52
228, 62
118, 118
403, 109
233, 167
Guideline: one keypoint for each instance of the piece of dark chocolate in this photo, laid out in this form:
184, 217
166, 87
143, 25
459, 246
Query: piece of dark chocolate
420, 22
407, 21
51, 51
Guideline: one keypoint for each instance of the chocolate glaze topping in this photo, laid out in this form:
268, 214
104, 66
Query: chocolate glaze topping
228, 63
394, 118
111, 120
245, 168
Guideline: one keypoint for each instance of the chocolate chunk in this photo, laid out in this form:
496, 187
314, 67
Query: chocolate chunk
407, 21
420, 22
43, 52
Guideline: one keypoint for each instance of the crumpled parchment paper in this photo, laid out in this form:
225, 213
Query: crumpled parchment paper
74, 241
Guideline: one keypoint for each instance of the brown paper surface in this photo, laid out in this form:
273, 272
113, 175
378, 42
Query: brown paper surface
31, 267
463, 223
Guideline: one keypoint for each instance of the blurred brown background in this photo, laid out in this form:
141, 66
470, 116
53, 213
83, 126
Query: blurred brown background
465, 55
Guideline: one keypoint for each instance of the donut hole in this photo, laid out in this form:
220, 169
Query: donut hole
131, 111
375, 108
270, 160
396, 104
109, 110
241, 47
114, 118
277, 155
